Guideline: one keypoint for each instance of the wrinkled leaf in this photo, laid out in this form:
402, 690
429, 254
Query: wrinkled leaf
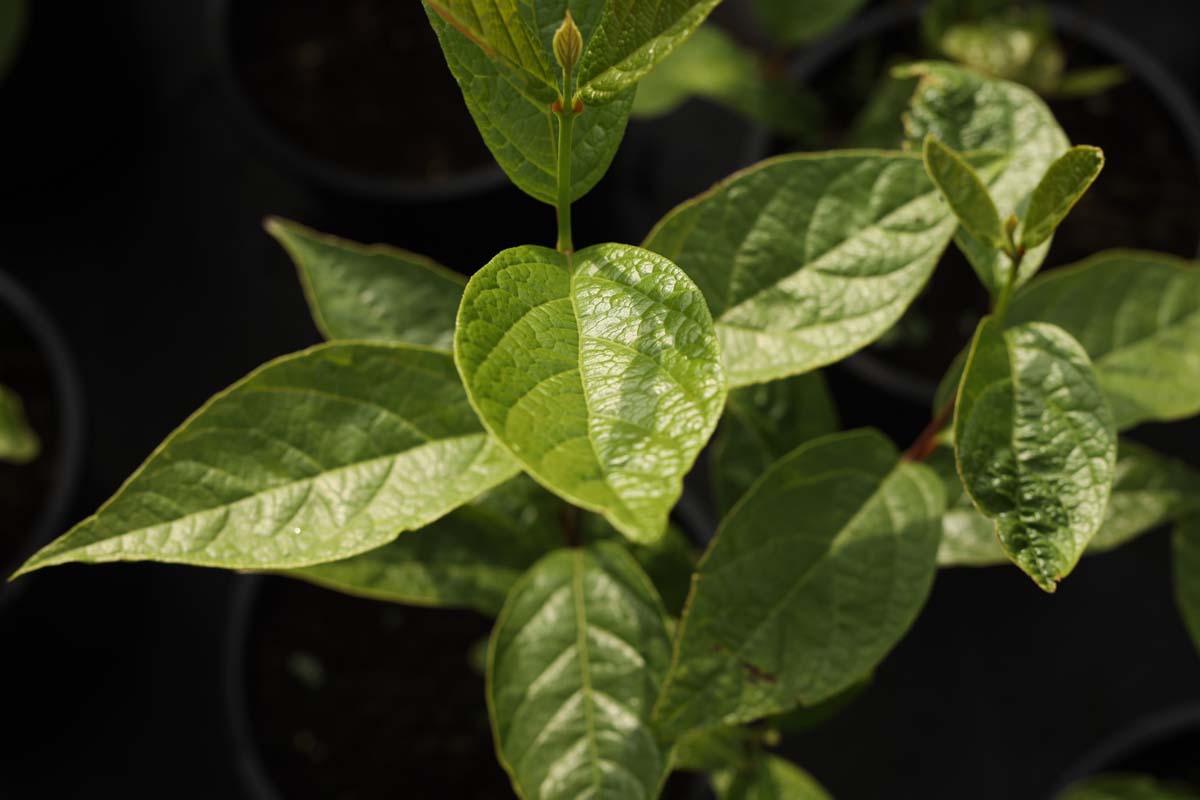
793, 23
1064, 183
1185, 563
762, 424
516, 121
1138, 316
469, 558
506, 32
372, 292
970, 113
1036, 444
314, 457
631, 38
805, 259
812, 578
576, 660
1119, 786
771, 778
598, 370
19, 444
964, 191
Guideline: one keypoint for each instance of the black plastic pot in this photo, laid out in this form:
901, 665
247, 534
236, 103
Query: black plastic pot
1165, 746
60, 425
323, 173
1143, 68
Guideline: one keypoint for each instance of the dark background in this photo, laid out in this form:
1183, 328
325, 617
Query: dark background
131, 204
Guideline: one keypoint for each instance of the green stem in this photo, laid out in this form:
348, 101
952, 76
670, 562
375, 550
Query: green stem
1001, 307
566, 122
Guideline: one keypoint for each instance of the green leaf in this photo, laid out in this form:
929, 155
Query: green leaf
576, 660
631, 38
516, 120
965, 192
598, 370
878, 124
469, 558
505, 31
1138, 316
716, 748
372, 292
1118, 786
791, 23
13, 14
805, 259
971, 113
19, 444
668, 562
762, 424
1149, 490
1014, 45
1059, 190
1185, 563
1036, 444
714, 66
314, 457
813, 577
772, 778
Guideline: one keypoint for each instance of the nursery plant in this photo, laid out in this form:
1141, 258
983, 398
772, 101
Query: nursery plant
516, 443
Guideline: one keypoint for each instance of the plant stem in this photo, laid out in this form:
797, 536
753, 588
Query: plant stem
570, 526
566, 122
1015, 255
927, 441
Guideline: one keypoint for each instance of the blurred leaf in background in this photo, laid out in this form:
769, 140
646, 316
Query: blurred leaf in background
13, 16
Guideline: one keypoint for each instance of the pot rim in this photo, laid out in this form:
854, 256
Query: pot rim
69, 397
280, 151
1142, 65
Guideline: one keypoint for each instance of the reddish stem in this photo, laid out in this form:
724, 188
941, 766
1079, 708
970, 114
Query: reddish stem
927, 442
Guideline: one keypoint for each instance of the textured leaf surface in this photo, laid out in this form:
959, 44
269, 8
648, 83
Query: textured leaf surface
631, 37
1064, 183
969, 112
805, 259
772, 778
812, 578
469, 558
19, 444
1185, 546
965, 192
1138, 316
1119, 786
599, 371
314, 457
576, 660
1035, 443
372, 292
762, 424
516, 121
791, 23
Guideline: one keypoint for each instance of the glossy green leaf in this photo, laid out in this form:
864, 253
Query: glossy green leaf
1064, 183
598, 370
1185, 563
965, 192
762, 424
506, 32
771, 778
314, 457
1138, 316
805, 259
813, 577
968, 537
19, 444
631, 38
794, 23
13, 14
714, 66
576, 660
1122, 786
1036, 444
970, 113
668, 562
514, 113
372, 292
469, 558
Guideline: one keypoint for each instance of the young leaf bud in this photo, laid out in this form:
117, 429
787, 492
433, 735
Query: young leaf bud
568, 44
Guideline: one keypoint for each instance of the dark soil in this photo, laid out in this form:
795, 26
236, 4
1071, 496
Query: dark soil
24, 488
1148, 196
361, 83
354, 699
